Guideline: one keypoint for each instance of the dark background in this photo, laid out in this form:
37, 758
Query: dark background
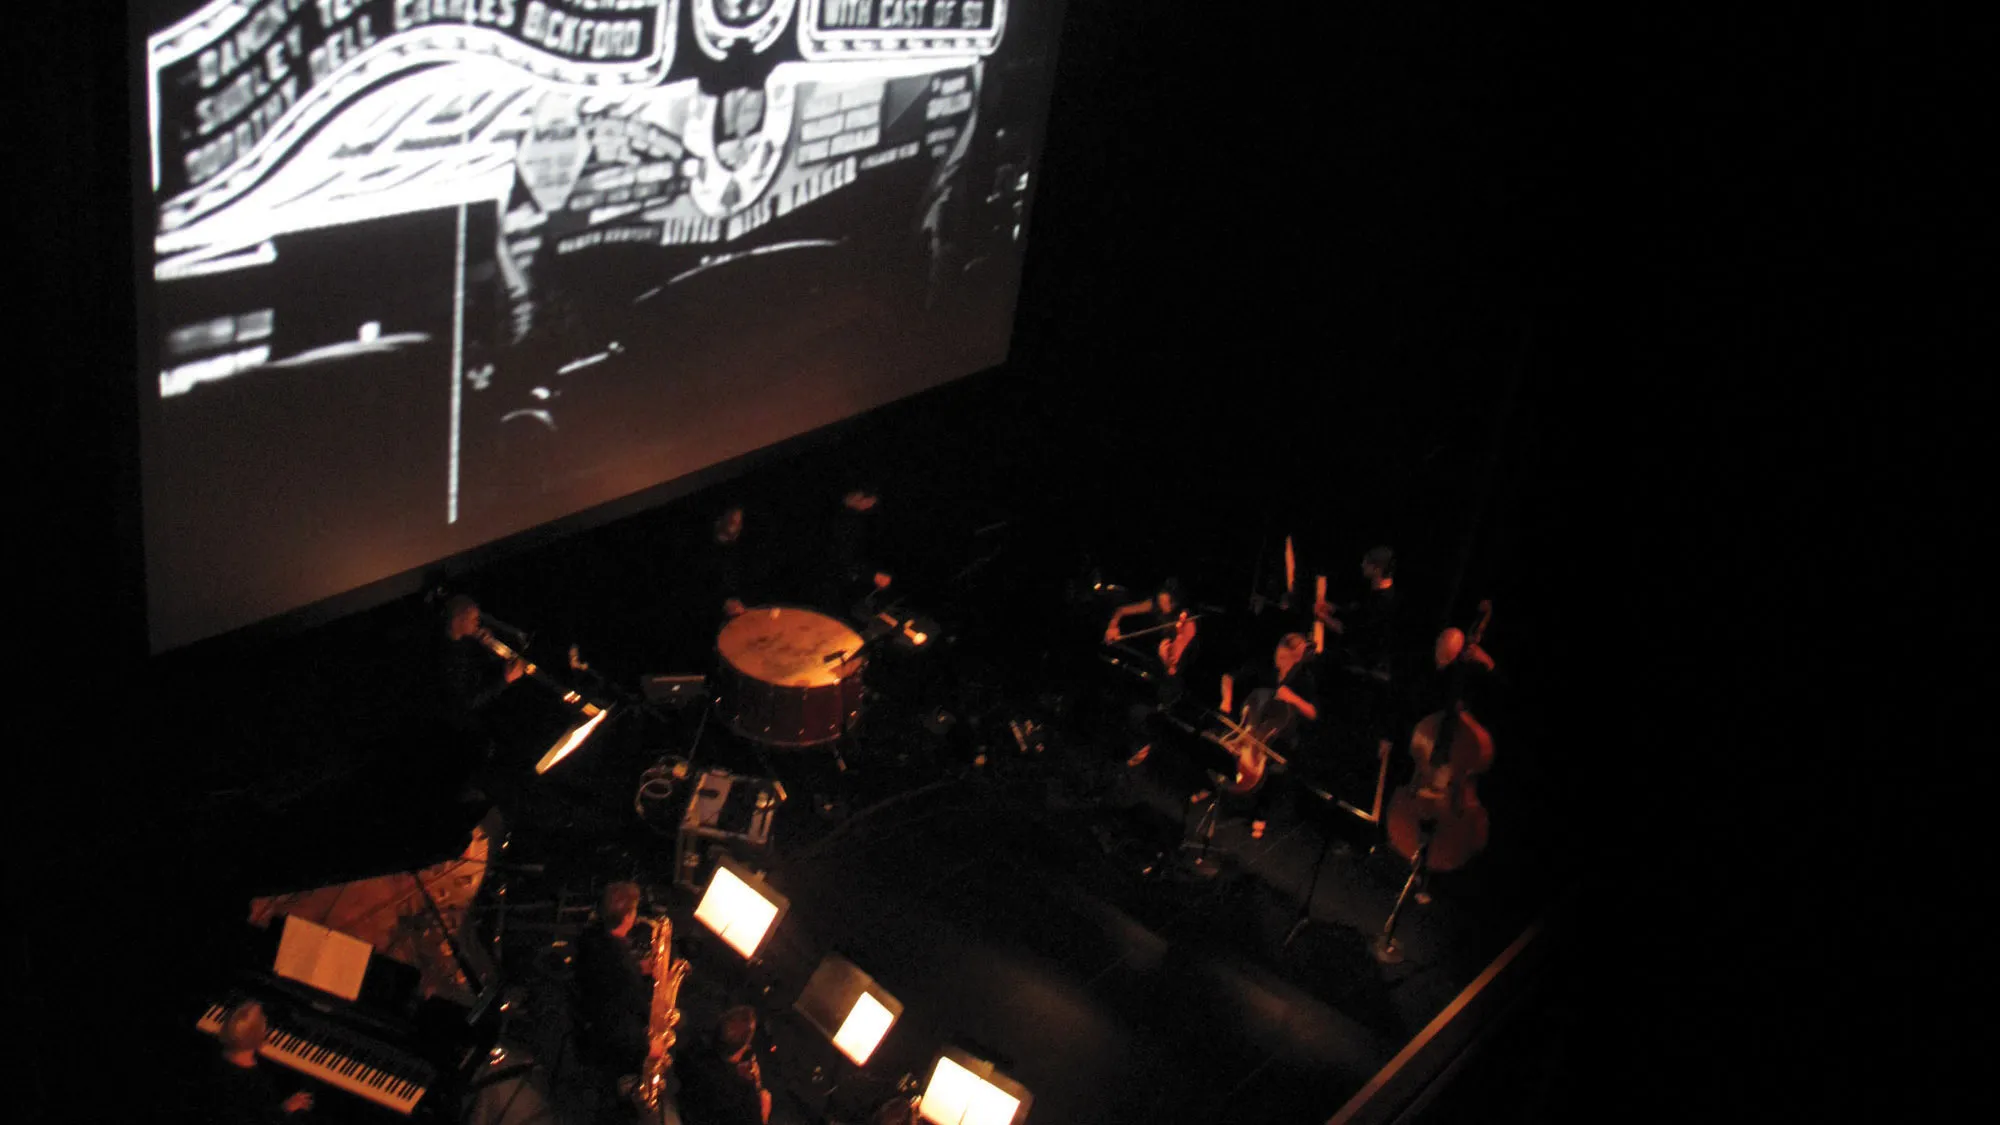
1742, 508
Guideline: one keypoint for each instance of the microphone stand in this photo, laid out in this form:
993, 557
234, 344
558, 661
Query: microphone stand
1304, 919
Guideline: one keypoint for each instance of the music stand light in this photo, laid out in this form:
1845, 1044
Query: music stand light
739, 908
967, 1091
848, 1007
573, 736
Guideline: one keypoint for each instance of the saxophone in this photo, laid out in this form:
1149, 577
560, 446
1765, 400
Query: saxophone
667, 974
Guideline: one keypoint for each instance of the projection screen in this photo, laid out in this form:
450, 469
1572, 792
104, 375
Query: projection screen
429, 273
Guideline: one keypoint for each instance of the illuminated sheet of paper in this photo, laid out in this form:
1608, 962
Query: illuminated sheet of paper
956, 1096
863, 1029
737, 914
325, 959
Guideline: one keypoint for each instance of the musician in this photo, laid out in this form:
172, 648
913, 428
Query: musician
1366, 625
614, 991
1366, 631
242, 1091
855, 571
1281, 700
729, 561
1170, 634
474, 675
1458, 666
721, 1084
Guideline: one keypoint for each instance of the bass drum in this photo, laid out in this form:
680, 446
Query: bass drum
788, 677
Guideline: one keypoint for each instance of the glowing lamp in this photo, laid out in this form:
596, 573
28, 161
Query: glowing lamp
573, 736
966, 1091
848, 1007
739, 908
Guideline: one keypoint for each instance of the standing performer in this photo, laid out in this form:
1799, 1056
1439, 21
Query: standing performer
614, 994
474, 676
1443, 780
1366, 628
855, 576
727, 557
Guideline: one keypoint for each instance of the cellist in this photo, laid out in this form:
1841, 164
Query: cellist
1282, 699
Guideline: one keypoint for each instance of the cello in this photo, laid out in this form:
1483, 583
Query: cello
1265, 718
1439, 812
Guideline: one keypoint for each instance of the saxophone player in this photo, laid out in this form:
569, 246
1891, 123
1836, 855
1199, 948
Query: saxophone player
722, 1083
614, 992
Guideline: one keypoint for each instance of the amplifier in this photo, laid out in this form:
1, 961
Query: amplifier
724, 808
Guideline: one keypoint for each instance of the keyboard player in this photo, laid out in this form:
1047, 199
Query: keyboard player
242, 1090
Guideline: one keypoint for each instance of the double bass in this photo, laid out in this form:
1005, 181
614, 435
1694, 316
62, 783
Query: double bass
1441, 802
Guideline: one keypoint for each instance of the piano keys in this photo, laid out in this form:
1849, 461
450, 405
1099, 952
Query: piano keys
328, 1053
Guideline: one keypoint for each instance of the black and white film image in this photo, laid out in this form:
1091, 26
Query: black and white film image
427, 273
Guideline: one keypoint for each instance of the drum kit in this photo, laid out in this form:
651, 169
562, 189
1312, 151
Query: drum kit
789, 677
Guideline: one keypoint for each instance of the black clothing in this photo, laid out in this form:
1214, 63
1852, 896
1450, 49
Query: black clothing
235, 1095
473, 678
615, 1000
1287, 739
713, 1092
854, 553
1368, 630
1300, 680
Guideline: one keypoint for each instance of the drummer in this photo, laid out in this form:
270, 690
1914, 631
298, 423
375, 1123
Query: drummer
855, 579
729, 585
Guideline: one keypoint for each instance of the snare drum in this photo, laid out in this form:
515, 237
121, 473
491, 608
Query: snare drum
788, 676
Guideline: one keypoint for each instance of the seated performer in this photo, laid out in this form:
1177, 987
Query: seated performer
721, 1083
614, 990
241, 1090
1169, 630
1281, 700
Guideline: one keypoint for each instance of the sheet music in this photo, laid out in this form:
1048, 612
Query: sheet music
325, 959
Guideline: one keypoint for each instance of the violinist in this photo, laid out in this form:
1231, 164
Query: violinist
1280, 701
1168, 630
